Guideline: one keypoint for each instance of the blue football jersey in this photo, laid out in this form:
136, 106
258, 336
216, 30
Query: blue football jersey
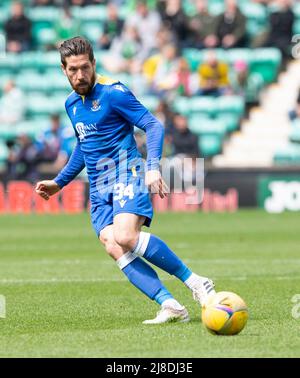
104, 123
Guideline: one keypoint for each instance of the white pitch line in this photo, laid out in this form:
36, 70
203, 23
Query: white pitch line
111, 263
9, 281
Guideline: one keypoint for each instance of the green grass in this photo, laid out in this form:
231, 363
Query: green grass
66, 298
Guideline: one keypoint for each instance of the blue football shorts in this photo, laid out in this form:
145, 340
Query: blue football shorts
127, 195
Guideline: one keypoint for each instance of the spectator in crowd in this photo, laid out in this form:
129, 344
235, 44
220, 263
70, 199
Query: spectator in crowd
184, 141
18, 30
126, 53
140, 138
214, 76
165, 72
147, 23
44, 3
240, 76
83, 3
176, 21
163, 37
231, 26
12, 104
131, 4
281, 27
186, 151
203, 27
244, 83
112, 28
164, 113
66, 26
55, 144
23, 160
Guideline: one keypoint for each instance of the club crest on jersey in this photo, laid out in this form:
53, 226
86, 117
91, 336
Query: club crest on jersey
96, 106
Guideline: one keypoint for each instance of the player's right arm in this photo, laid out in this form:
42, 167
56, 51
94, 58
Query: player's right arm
75, 165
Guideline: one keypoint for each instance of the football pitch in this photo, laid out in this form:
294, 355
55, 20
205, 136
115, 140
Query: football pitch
66, 298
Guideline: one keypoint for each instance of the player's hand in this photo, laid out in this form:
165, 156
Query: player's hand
47, 188
156, 184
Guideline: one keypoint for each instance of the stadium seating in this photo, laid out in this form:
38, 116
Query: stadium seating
264, 61
212, 119
37, 72
210, 145
287, 156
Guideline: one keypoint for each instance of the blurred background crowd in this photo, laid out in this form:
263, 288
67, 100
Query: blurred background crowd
210, 70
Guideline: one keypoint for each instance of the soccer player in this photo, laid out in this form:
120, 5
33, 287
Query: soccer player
103, 113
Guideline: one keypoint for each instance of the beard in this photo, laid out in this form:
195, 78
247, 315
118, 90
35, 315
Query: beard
85, 87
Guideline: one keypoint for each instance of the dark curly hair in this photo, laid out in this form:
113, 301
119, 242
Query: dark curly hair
75, 46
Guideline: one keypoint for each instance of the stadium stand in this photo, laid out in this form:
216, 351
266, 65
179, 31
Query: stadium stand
217, 121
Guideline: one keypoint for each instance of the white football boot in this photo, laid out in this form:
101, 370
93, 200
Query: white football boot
169, 314
203, 289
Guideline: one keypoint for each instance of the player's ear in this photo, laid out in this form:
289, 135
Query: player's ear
94, 63
63, 69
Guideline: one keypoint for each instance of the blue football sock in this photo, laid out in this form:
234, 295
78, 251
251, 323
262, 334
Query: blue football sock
143, 277
158, 253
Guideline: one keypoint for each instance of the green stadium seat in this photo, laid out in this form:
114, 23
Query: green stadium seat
289, 155
254, 11
43, 106
30, 60
4, 14
49, 60
296, 10
92, 30
45, 36
296, 26
295, 135
266, 61
182, 105
33, 127
9, 63
31, 82
210, 145
90, 13
204, 105
150, 102
234, 55
48, 15
295, 132
216, 8
231, 122
233, 105
206, 126
7, 132
194, 57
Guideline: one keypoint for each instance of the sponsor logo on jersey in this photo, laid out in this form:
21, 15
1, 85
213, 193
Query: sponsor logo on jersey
85, 130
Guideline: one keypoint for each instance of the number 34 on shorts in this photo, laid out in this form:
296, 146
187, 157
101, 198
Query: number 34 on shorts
123, 192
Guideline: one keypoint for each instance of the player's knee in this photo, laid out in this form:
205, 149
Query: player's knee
113, 250
111, 247
127, 240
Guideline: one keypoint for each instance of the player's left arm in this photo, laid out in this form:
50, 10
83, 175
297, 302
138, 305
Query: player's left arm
126, 104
